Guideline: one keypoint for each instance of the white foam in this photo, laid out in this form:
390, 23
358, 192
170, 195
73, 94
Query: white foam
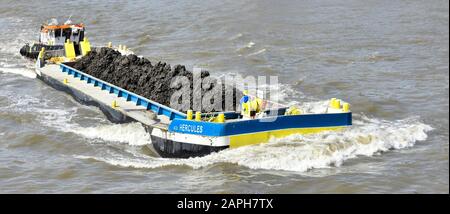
257, 52
250, 44
57, 118
299, 153
18, 101
280, 92
316, 107
12, 47
47, 113
20, 71
237, 36
130, 133
62, 119
6, 64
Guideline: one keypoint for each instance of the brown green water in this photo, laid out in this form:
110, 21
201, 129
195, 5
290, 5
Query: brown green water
389, 59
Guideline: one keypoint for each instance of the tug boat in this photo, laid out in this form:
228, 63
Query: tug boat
175, 134
53, 36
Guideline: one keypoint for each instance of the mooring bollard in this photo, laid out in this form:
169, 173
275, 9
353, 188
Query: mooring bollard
114, 104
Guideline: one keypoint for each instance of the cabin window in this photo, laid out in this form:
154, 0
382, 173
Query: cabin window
81, 35
58, 32
66, 33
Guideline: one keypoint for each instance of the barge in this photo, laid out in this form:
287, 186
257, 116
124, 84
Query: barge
176, 134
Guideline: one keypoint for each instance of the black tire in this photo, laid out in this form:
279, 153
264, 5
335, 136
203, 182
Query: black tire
32, 52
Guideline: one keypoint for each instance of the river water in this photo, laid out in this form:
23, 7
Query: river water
389, 59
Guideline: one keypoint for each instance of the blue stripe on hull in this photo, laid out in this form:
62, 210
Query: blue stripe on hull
260, 125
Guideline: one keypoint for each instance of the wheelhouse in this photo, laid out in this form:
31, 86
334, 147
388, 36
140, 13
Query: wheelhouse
55, 34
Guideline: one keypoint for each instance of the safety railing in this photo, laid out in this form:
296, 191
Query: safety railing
127, 95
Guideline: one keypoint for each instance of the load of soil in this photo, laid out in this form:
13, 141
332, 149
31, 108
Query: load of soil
140, 76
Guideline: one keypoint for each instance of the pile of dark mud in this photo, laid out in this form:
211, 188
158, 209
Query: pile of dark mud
152, 81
